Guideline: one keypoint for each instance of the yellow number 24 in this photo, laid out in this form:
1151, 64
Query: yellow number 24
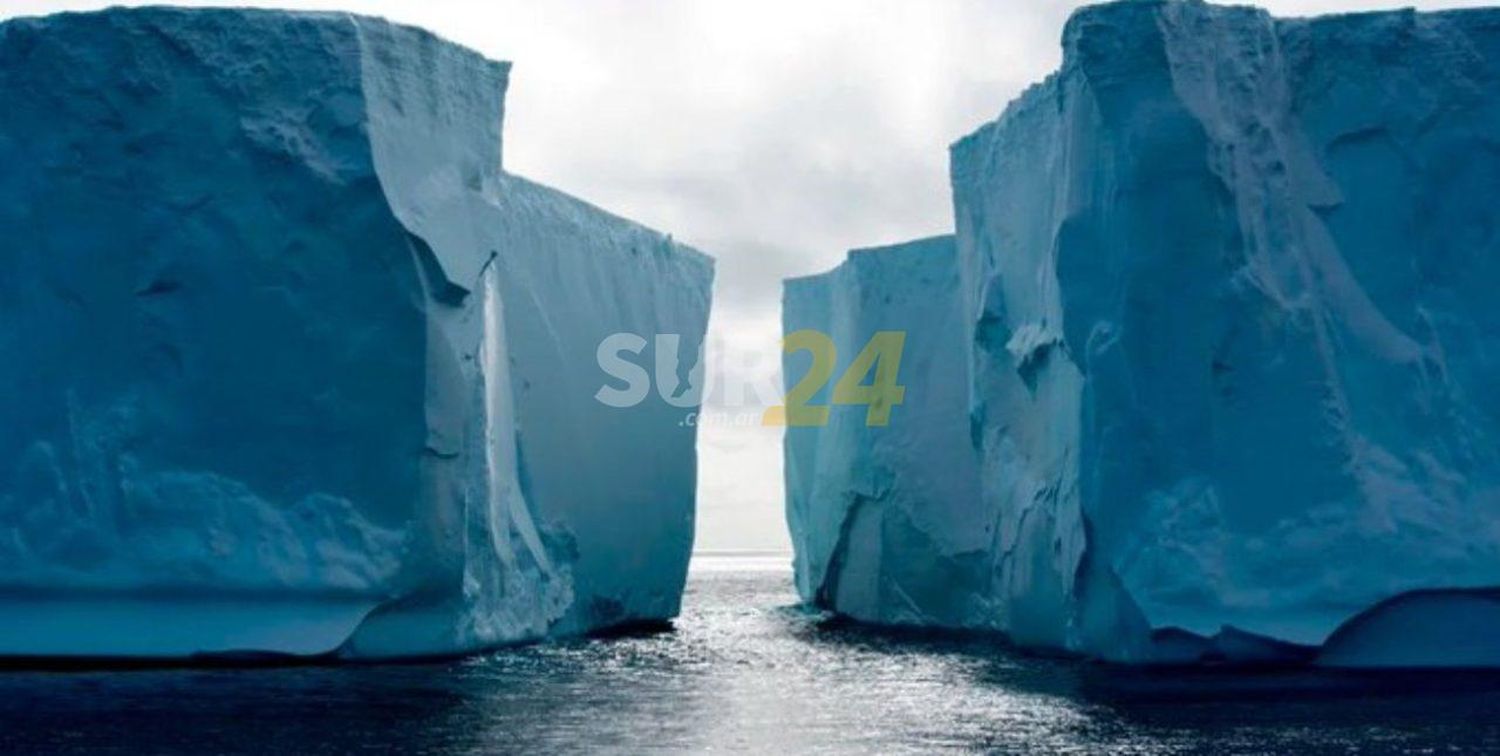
882, 354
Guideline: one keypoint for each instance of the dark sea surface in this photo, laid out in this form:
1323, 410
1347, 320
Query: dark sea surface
745, 670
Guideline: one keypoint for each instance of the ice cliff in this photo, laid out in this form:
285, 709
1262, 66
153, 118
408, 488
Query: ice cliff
289, 365
880, 515
1231, 343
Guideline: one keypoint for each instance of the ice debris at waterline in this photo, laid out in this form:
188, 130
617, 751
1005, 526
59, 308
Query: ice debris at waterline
288, 365
1232, 351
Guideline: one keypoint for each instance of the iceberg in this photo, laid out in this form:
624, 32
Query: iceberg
881, 516
1231, 345
289, 365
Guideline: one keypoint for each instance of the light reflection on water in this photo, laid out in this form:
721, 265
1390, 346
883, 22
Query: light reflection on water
743, 671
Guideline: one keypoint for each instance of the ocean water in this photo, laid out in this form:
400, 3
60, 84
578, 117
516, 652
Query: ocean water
744, 670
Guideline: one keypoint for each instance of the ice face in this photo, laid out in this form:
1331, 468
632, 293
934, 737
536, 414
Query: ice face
288, 365
1254, 251
881, 515
1225, 289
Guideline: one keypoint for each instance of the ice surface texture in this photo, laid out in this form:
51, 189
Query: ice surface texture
288, 365
1233, 345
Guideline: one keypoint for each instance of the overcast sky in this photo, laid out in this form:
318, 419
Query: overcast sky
772, 134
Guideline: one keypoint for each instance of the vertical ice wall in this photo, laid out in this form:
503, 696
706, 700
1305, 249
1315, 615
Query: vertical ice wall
1230, 353
288, 365
883, 516
1232, 350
